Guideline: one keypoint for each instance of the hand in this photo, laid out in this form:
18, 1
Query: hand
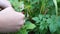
4, 3
10, 20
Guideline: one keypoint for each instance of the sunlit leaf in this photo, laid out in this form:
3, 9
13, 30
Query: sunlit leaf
29, 25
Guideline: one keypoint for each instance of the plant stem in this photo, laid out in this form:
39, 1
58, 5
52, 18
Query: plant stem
56, 7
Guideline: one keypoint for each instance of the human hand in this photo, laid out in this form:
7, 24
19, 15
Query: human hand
10, 20
4, 3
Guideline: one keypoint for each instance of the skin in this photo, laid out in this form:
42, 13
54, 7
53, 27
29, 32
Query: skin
10, 20
5, 3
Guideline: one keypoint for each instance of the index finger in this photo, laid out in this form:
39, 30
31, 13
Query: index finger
4, 3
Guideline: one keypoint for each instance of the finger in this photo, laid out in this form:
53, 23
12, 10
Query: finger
22, 15
21, 22
4, 3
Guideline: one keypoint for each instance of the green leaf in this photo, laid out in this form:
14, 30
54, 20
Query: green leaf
53, 27
36, 19
49, 21
58, 0
47, 16
34, 1
29, 25
21, 5
53, 17
43, 25
22, 31
58, 21
49, 3
40, 17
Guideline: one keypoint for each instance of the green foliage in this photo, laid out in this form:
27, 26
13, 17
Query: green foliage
18, 6
29, 25
42, 16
